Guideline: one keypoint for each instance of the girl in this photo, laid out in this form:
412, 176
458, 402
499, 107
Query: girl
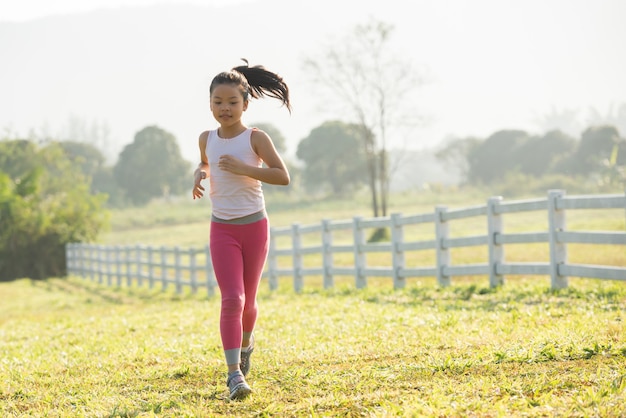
237, 159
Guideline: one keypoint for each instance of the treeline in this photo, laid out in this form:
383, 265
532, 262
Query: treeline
508, 162
596, 160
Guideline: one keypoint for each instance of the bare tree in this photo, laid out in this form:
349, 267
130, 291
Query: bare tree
362, 77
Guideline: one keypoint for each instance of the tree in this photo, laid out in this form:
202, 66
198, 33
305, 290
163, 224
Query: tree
92, 164
364, 78
89, 158
45, 203
491, 159
596, 145
333, 158
152, 166
18, 157
540, 155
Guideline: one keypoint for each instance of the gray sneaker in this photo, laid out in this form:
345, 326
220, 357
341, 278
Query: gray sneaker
244, 365
237, 385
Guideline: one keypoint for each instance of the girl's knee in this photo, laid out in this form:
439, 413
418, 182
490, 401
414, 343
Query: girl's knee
233, 305
250, 306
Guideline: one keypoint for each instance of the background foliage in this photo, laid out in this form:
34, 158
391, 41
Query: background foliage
45, 202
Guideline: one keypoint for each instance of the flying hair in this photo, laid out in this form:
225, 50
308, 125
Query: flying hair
255, 81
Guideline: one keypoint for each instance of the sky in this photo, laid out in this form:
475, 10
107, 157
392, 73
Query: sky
24, 10
490, 64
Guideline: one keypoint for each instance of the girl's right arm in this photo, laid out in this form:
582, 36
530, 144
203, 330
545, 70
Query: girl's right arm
202, 172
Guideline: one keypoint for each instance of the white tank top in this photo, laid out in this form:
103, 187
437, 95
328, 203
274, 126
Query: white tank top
232, 195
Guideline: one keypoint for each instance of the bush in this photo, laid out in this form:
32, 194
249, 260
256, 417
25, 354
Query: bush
41, 210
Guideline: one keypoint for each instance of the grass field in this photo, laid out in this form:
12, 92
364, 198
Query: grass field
73, 348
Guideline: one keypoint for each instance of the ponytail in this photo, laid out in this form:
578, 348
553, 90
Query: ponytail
255, 81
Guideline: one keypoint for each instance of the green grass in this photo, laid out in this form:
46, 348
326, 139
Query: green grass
73, 348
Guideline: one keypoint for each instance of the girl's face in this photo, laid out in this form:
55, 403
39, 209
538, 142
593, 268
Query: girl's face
227, 104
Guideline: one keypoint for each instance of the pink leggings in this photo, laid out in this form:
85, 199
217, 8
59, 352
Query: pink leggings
238, 254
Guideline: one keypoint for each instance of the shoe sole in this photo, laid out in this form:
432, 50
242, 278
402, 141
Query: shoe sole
242, 391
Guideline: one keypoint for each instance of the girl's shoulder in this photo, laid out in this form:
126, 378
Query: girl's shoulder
257, 136
203, 138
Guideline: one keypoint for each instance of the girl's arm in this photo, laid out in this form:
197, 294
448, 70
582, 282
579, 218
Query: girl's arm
202, 172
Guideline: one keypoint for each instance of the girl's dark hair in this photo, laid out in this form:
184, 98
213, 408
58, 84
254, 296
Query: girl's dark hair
254, 81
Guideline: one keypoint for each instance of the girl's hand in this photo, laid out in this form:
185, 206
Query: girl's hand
198, 189
232, 164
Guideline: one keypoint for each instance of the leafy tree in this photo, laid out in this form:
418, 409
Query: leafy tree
18, 157
86, 156
45, 203
368, 82
92, 164
596, 146
152, 166
333, 157
539, 155
490, 160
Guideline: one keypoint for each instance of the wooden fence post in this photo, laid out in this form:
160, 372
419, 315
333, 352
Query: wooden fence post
69, 263
496, 251
558, 250
100, 255
443, 253
129, 266
192, 273
70, 259
92, 262
397, 256
163, 268
138, 265
359, 256
177, 270
118, 264
150, 268
327, 255
298, 281
108, 265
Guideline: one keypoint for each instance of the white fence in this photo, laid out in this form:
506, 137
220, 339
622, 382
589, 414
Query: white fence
164, 266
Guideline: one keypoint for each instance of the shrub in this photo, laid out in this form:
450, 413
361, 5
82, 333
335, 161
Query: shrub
42, 208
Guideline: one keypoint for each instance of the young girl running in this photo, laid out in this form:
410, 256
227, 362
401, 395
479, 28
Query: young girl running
237, 159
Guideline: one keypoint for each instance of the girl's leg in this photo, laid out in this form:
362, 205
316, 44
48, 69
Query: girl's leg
226, 256
255, 249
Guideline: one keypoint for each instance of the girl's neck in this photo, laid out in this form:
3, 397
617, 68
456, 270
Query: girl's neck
231, 131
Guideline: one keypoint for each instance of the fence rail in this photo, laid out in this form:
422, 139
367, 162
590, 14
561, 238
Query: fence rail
192, 267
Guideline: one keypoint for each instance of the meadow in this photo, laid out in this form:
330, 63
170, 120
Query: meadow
72, 347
